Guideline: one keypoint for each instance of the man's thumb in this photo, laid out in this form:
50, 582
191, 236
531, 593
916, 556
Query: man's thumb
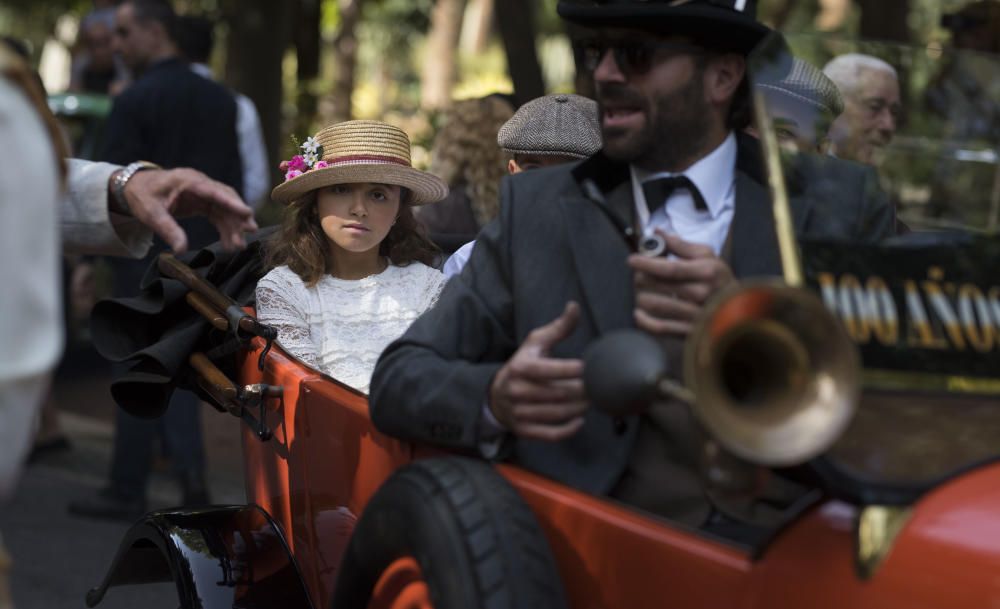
559, 328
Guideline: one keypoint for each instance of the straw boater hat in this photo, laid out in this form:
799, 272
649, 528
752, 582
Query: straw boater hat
728, 24
358, 151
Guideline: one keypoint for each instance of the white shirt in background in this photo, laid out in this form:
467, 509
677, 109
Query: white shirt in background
250, 139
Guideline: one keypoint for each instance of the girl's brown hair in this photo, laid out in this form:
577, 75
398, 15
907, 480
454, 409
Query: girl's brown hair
301, 244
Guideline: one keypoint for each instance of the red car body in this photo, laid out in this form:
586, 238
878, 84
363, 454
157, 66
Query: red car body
326, 460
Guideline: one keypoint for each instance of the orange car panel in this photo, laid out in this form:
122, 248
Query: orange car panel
326, 460
611, 556
320, 469
947, 555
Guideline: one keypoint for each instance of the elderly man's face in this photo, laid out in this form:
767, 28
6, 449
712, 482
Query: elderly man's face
654, 116
870, 117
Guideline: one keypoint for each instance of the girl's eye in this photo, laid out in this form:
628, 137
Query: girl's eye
339, 189
378, 195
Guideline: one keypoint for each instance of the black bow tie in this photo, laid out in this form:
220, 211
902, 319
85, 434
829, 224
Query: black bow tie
659, 190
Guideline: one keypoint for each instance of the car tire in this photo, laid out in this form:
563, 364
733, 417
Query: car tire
448, 533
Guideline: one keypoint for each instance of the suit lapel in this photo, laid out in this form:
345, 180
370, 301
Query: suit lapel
596, 221
753, 239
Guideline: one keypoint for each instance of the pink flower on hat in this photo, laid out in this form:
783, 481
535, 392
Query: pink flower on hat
320, 165
292, 173
298, 163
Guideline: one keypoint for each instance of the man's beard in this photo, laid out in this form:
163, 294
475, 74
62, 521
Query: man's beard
677, 130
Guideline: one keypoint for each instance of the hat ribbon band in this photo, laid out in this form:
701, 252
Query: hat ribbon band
366, 158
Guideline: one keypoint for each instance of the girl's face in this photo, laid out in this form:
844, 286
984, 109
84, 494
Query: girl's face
357, 217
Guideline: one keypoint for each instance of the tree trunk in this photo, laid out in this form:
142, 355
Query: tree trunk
439, 70
345, 47
479, 26
259, 32
885, 20
583, 81
516, 19
306, 35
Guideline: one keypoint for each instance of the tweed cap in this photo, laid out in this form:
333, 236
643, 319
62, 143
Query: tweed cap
362, 151
563, 124
809, 85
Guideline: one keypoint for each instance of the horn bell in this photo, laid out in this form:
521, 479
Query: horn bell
776, 376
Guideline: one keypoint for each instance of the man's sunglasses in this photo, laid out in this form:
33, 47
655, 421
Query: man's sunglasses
632, 57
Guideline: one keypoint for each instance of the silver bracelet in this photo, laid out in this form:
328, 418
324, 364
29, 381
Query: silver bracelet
118, 203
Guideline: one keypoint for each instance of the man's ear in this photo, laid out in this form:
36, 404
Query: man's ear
723, 76
513, 167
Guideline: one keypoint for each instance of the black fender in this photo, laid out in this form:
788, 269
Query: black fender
219, 557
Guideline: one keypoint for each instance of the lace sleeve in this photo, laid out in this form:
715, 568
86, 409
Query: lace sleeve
435, 282
278, 307
436, 288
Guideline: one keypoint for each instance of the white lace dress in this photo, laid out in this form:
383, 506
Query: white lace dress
341, 326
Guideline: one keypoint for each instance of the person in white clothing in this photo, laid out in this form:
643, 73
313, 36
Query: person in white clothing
351, 268
48, 204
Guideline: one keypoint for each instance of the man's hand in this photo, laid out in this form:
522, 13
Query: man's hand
155, 197
670, 292
537, 396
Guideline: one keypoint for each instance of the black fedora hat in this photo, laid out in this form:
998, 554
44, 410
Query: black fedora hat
726, 25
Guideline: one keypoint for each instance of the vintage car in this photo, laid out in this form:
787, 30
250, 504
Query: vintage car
896, 484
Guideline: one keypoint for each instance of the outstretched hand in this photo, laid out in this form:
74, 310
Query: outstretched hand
540, 397
156, 197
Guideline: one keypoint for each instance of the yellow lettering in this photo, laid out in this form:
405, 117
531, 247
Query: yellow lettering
977, 321
853, 316
882, 311
920, 333
828, 291
940, 305
994, 299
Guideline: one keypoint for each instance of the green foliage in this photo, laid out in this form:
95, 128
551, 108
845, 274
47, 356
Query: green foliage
401, 19
547, 20
390, 34
33, 22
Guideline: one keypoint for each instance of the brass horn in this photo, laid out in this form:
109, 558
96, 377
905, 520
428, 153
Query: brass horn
768, 371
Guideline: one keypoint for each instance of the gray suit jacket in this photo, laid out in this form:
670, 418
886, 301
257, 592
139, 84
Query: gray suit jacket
563, 234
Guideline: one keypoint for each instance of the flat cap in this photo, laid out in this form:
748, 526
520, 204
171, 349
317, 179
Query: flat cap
807, 84
562, 124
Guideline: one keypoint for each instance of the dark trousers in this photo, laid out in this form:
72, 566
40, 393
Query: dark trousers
180, 431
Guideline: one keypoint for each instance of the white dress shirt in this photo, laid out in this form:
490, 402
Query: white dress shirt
457, 261
715, 177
